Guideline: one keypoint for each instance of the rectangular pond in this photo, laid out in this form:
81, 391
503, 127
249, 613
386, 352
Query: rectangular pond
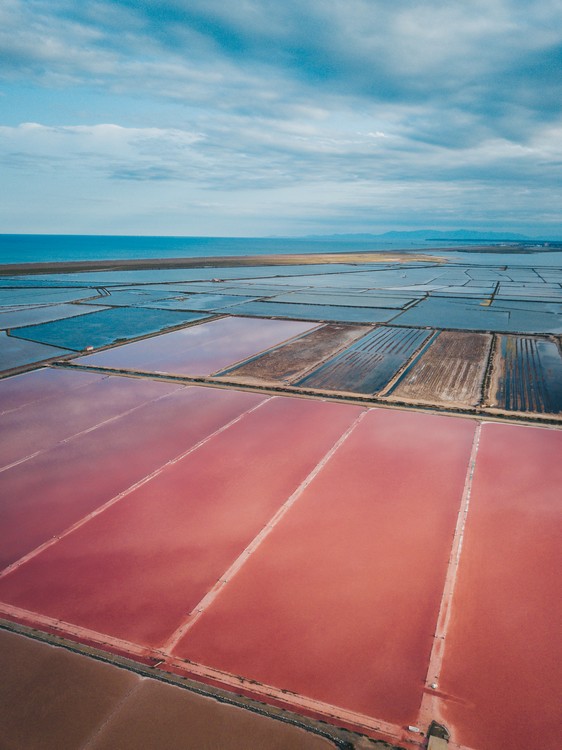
527, 375
449, 313
16, 352
315, 312
200, 302
40, 385
501, 671
357, 300
39, 426
106, 327
11, 297
33, 315
369, 363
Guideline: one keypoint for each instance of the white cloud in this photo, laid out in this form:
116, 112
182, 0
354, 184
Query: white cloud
347, 109
99, 145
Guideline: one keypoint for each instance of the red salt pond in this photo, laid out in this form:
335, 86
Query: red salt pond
136, 570
39, 385
41, 425
501, 674
201, 349
337, 599
48, 493
340, 601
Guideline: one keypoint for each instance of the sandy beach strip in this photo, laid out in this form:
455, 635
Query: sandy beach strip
401, 256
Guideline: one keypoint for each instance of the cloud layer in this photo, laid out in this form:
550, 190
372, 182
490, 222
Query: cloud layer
265, 117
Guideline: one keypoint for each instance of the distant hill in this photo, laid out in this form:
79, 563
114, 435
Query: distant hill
458, 234
467, 235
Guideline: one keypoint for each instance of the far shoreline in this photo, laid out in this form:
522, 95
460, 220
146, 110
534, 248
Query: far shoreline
226, 261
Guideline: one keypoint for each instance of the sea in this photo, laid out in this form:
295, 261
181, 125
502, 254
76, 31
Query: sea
51, 248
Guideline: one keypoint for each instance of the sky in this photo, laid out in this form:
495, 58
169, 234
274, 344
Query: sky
280, 117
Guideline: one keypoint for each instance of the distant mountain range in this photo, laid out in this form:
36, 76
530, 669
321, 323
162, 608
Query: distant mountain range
430, 234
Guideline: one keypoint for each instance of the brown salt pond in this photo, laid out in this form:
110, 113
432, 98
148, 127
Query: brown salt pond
51, 698
450, 371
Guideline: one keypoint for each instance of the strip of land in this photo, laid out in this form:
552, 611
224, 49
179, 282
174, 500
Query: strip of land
11, 269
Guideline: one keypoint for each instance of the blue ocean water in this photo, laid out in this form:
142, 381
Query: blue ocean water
550, 259
51, 248
45, 248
